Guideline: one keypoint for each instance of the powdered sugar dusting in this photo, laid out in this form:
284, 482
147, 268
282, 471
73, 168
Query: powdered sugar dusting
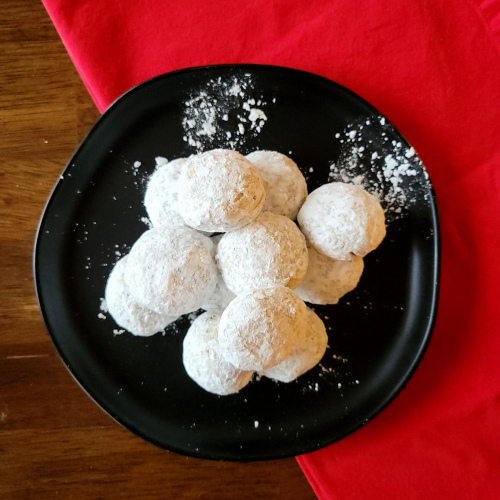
226, 113
388, 169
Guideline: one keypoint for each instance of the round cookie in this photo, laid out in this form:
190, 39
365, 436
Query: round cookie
171, 270
222, 295
161, 197
203, 361
219, 191
260, 329
306, 356
327, 280
125, 310
269, 251
341, 219
285, 185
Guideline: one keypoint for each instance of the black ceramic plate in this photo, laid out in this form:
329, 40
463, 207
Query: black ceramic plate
378, 333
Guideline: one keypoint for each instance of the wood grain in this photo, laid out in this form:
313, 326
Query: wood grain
54, 441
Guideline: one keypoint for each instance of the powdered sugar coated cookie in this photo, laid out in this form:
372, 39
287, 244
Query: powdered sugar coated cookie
306, 356
269, 251
161, 197
126, 311
203, 361
171, 269
219, 190
260, 329
327, 280
341, 219
285, 185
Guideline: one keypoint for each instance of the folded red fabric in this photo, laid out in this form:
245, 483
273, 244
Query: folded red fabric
433, 68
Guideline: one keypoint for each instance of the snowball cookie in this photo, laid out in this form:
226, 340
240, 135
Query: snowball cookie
327, 280
171, 270
306, 356
222, 295
260, 329
125, 310
339, 219
219, 191
269, 251
285, 186
203, 361
160, 199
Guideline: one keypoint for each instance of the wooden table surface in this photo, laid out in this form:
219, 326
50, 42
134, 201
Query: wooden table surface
54, 441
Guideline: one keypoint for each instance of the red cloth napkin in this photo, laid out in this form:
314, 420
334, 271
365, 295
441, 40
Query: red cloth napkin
433, 68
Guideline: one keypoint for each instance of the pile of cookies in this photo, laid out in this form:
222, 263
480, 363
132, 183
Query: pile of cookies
224, 240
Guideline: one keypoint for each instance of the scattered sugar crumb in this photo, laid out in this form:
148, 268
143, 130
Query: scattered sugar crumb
340, 358
160, 160
216, 115
389, 169
145, 220
257, 115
